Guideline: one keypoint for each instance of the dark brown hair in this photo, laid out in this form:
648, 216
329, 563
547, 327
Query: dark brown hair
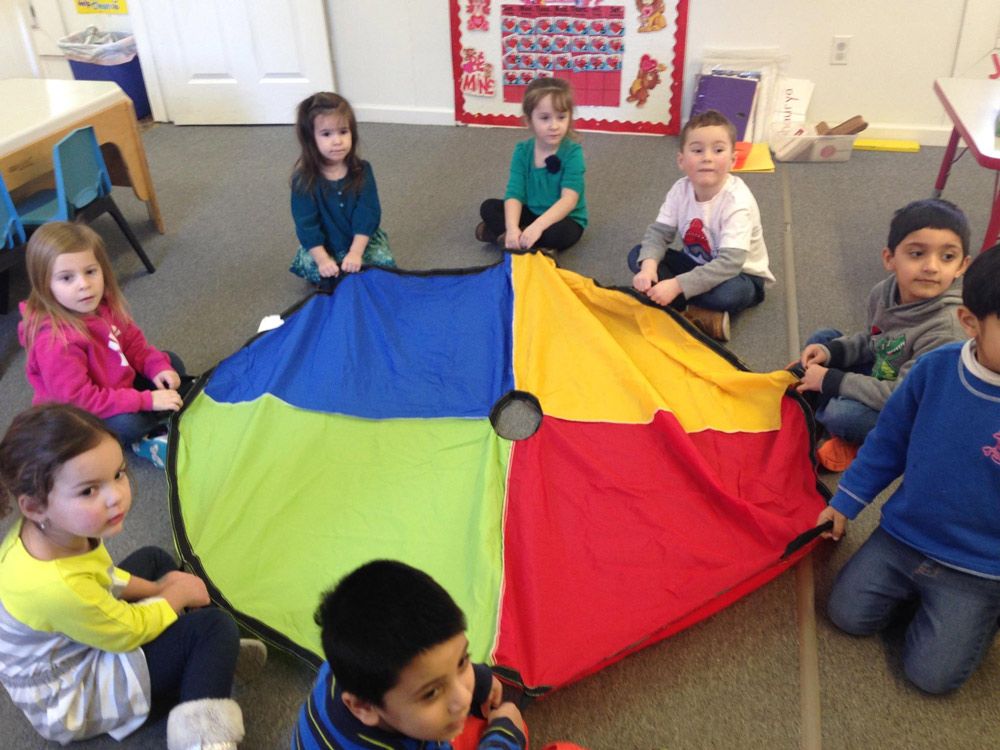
308, 172
707, 119
37, 443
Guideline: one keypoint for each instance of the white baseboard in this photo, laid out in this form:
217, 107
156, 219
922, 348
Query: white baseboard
405, 115
925, 135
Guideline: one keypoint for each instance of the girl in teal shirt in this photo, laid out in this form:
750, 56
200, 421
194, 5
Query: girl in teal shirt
544, 205
335, 201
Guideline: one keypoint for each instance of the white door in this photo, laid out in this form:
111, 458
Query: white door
236, 62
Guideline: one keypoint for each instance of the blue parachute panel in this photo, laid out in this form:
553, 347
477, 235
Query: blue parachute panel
386, 345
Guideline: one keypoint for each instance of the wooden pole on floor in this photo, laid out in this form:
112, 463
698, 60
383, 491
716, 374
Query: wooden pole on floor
810, 731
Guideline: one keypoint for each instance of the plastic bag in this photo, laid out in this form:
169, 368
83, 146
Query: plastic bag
99, 47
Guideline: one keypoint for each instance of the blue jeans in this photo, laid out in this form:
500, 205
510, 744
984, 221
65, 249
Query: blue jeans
133, 426
195, 657
954, 620
843, 417
738, 293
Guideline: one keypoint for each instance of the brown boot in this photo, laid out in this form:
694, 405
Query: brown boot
712, 322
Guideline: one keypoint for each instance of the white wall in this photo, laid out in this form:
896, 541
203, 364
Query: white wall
15, 55
392, 59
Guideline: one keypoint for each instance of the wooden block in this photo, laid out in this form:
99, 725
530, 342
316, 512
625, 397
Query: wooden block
848, 127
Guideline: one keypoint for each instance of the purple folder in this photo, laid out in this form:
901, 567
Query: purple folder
731, 96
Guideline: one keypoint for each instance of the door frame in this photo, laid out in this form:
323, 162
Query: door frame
147, 61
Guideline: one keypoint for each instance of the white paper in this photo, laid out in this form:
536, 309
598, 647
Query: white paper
270, 322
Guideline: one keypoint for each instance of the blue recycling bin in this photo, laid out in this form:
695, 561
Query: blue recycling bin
127, 75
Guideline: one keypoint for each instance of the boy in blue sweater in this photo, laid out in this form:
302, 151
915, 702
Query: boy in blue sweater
395, 644
934, 556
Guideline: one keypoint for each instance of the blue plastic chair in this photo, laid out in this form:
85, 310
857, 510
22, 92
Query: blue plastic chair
83, 189
11, 243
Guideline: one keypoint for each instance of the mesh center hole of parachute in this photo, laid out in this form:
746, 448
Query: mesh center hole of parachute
516, 416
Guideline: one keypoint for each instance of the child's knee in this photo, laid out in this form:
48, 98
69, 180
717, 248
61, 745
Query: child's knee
847, 617
931, 676
218, 627
848, 419
846, 609
941, 660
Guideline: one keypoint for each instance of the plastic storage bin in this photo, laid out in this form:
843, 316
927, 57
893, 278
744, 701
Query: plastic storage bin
807, 146
98, 56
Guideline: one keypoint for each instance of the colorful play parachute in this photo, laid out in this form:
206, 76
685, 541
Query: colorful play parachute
662, 483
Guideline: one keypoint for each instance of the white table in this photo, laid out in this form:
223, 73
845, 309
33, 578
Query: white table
36, 113
973, 105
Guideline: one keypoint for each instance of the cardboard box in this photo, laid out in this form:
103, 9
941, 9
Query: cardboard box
804, 145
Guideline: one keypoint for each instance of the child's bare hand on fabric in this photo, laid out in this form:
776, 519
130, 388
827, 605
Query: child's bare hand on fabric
494, 699
839, 522
812, 380
530, 236
166, 400
814, 354
664, 292
168, 379
643, 280
508, 711
328, 267
512, 239
351, 262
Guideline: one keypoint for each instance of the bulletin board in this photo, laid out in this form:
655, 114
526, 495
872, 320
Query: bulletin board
624, 60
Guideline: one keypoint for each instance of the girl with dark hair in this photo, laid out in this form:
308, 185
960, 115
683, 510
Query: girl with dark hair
87, 647
334, 197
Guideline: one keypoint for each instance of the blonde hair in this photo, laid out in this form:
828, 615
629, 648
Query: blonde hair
562, 99
47, 243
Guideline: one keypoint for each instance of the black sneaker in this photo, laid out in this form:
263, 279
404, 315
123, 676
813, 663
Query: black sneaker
483, 234
633, 259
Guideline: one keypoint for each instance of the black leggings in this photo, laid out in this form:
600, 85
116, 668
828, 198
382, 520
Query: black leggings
560, 236
196, 656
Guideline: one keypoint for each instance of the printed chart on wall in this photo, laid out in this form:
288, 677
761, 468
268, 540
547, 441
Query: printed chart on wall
624, 60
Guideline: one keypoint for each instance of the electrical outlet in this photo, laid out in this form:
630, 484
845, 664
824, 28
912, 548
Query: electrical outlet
840, 49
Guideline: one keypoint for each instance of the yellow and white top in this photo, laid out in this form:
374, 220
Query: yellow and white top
70, 653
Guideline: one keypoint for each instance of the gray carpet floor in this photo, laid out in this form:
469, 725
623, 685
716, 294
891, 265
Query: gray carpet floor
731, 681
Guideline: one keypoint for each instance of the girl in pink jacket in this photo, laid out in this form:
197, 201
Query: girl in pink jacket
83, 346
